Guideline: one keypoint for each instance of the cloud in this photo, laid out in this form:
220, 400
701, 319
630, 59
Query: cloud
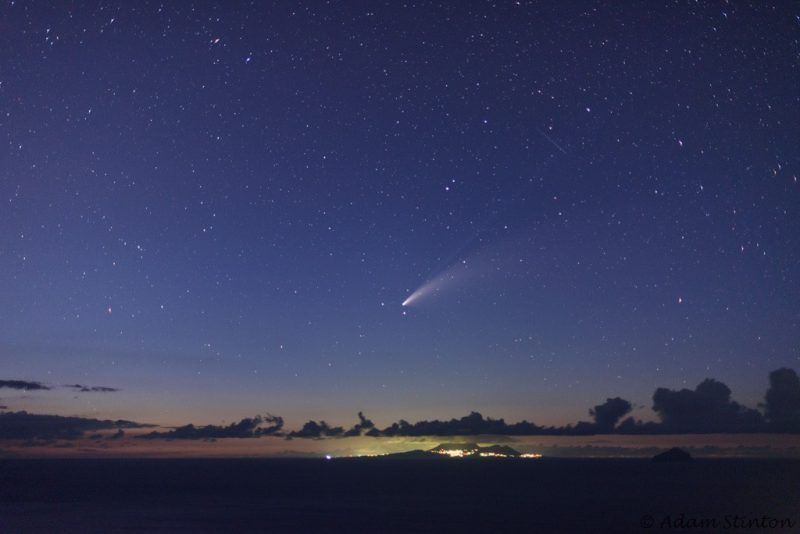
91, 389
359, 428
23, 385
708, 408
469, 425
475, 424
28, 385
249, 427
607, 415
24, 425
314, 430
782, 401
704, 410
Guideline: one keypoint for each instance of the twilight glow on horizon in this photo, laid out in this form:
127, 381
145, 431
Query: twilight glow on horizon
416, 210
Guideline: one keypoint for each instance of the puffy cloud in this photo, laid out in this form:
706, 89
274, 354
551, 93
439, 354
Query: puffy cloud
363, 425
782, 401
607, 415
706, 409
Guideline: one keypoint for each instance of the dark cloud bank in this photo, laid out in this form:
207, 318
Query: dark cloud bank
24, 425
708, 408
251, 427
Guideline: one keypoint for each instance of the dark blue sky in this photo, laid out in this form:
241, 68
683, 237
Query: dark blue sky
219, 209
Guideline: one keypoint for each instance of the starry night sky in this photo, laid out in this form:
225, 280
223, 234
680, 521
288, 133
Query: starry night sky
219, 209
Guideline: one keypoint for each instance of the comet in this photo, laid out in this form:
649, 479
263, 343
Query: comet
484, 266
423, 291
454, 275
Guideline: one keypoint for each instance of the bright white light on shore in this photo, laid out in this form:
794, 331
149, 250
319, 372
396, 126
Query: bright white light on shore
328, 456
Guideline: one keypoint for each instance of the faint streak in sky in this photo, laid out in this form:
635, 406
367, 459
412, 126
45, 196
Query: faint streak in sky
551, 141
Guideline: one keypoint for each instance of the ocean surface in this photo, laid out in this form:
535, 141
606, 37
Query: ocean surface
398, 495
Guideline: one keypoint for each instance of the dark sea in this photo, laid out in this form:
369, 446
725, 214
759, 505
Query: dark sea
398, 495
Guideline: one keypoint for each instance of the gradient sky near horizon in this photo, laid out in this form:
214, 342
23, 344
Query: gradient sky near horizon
219, 208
